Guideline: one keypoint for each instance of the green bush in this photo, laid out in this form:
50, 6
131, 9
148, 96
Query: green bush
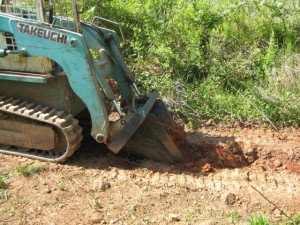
233, 59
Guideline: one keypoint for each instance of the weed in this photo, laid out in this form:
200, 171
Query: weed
23, 201
62, 186
295, 220
46, 203
188, 218
197, 209
3, 194
234, 216
217, 214
2, 182
145, 189
28, 170
96, 204
257, 219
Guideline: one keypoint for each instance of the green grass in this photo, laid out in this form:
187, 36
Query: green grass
62, 186
2, 182
3, 194
295, 220
28, 170
234, 216
3, 185
96, 204
257, 219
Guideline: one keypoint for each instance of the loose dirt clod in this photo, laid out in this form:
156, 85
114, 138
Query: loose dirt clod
293, 168
174, 218
230, 199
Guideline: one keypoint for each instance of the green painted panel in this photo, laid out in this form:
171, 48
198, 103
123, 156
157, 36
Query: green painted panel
25, 78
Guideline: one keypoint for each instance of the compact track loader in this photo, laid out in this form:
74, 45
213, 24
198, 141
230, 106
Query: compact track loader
53, 67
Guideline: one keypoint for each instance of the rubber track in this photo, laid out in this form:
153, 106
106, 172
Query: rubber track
59, 119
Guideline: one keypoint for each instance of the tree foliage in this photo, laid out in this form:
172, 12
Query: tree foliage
228, 59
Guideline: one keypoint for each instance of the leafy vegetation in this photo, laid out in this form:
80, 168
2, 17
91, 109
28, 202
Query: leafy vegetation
224, 59
3, 185
96, 204
2, 182
62, 186
295, 220
257, 219
3, 178
28, 170
234, 216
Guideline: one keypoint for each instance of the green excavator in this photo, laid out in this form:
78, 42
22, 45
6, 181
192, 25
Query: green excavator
54, 68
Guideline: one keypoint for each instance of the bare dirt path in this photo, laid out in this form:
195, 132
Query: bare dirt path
218, 184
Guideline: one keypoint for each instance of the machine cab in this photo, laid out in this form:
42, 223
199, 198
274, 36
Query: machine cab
59, 14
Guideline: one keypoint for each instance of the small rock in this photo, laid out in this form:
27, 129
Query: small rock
208, 222
267, 154
23, 160
230, 199
284, 167
174, 218
209, 122
207, 168
105, 186
164, 194
251, 153
277, 163
237, 124
114, 221
263, 167
95, 218
245, 176
277, 213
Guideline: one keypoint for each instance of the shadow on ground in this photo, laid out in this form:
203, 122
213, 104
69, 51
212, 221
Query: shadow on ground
203, 154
